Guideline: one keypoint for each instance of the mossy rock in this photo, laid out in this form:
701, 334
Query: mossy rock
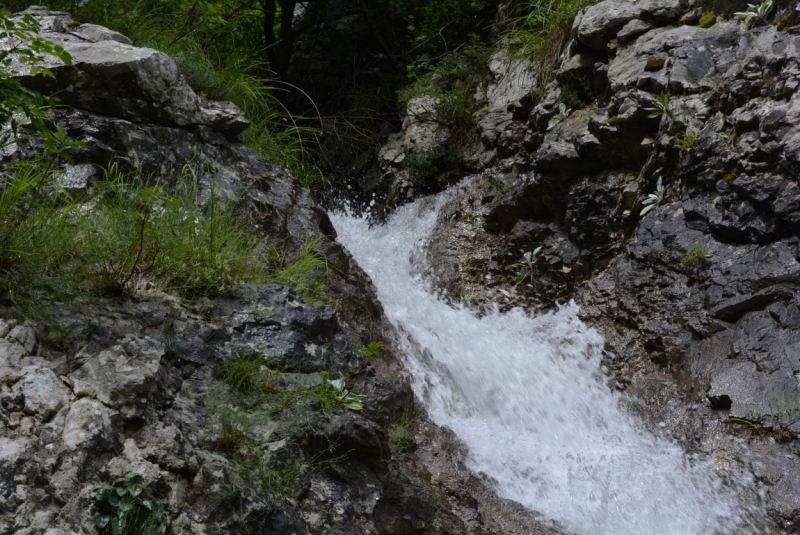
730, 178
707, 20
612, 120
654, 64
783, 25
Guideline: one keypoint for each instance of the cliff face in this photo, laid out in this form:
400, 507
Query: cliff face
97, 388
697, 297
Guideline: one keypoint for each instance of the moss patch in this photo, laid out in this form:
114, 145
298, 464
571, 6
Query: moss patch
612, 120
730, 178
654, 64
783, 25
707, 20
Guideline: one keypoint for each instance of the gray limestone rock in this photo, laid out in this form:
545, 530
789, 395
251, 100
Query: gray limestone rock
111, 77
122, 375
602, 21
88, 426
43, 394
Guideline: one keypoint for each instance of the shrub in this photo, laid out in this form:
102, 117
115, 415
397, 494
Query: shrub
332, 393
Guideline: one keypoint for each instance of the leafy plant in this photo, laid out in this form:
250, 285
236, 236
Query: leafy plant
756, 13
686, 141
400, 432
695, 256
19, 105
654, 199
562, 114
370, 352
527, 264
335, 392
660, 106
126, 508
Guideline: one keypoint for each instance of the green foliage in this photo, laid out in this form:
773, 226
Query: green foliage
696, 255
125, 231
655, 198
423, 166
371, 352
246, 374
19, 105
526, 265
447, 84
660, 106
686, 141
219, 48
562, 114
707, 20
430, 23
541, 28
400, 432
126, 508
333, 393
576, 99
305, 271
496, 187
755, 13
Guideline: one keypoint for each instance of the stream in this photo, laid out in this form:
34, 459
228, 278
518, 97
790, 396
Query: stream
526, 395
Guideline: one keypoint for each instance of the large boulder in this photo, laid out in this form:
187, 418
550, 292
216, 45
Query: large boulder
601, 22
110, 76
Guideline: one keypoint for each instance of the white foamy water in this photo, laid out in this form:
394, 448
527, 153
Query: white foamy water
524, 393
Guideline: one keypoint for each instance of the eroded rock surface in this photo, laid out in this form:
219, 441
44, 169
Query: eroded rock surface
704, 344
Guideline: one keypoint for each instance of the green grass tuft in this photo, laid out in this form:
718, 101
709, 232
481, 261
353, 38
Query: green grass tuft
125, 233
400, 432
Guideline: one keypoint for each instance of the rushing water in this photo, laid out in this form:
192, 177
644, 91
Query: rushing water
525, 395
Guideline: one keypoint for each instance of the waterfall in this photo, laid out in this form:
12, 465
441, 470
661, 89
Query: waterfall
525, 394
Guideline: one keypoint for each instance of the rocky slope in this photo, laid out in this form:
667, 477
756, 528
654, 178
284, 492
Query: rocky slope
98, 388
697, 298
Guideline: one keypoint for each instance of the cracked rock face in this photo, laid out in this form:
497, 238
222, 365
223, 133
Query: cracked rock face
692, 342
